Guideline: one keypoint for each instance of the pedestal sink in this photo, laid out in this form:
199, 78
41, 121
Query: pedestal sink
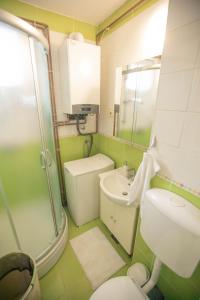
115, 186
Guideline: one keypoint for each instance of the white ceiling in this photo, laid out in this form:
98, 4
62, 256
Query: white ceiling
90, 11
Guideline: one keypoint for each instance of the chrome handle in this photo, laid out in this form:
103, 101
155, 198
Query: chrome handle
42, 160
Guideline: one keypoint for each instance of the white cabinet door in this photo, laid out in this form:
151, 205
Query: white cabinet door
120, 220
125, 226
107, 212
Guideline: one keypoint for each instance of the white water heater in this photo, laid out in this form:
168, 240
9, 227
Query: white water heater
80, 77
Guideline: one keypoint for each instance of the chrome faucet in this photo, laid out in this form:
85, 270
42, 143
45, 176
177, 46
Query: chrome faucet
129, 172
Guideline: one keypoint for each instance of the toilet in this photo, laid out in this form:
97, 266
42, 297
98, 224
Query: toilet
169, 224
119, 288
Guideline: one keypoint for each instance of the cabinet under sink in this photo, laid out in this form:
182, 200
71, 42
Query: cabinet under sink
120, 219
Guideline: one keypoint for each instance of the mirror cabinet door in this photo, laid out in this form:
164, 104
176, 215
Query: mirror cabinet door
134, 114
127, 103
144, 106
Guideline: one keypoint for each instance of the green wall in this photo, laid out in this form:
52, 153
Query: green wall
55, 21
74, 147
172, 286
140, 137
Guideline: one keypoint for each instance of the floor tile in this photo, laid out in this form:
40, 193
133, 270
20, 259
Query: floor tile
67, 280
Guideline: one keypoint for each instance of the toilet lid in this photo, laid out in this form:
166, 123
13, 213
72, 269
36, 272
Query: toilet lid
119, 288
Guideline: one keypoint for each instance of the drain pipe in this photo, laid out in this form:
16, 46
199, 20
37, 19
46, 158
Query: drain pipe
154, 276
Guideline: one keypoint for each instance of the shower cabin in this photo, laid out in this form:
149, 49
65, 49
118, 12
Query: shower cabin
32, 219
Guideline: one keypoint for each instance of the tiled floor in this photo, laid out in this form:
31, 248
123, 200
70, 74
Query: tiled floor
67, 280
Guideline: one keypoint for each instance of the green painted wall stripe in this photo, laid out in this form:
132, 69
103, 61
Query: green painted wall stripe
73, 147
55, 21
161, 183
120, 151
120, 11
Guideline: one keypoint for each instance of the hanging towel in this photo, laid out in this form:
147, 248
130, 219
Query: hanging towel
147, 170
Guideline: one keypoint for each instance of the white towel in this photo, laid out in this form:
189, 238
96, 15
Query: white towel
147, 170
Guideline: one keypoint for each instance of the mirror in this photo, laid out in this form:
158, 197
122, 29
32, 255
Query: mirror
135, 98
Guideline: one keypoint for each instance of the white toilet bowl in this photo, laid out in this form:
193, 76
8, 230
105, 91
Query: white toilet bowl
119, 288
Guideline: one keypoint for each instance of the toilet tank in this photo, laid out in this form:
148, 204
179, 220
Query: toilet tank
170, 226
82, 186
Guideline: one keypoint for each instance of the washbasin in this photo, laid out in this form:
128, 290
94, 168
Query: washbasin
116, 187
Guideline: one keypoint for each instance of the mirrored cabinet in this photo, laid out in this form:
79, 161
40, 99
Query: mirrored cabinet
135, 99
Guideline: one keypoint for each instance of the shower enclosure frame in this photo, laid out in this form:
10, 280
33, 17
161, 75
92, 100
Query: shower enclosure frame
45, 30
51, 254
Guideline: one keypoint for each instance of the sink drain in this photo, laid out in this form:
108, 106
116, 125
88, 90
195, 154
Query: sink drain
124, 193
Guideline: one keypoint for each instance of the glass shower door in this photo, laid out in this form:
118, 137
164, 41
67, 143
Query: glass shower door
44, 101
22, 159
8, 242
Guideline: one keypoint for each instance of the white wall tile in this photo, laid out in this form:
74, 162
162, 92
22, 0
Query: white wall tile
194, 100
181, 48
178, 133
181, 165
174, 90
182, 12
191, 132
168, 127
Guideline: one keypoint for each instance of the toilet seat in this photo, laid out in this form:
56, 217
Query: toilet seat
119, 288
